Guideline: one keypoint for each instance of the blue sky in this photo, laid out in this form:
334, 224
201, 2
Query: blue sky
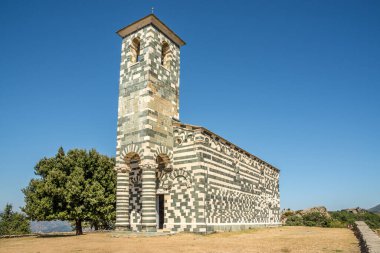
296, 83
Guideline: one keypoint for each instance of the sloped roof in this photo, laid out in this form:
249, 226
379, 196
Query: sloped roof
205, 130
151, 19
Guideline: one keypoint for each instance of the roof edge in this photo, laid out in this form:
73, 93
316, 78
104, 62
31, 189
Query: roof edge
193, 127
156, 22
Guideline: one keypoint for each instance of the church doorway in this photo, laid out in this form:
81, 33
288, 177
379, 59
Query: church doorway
160, 210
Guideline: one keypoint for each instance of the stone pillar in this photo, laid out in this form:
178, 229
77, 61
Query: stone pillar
122, 200
148, 197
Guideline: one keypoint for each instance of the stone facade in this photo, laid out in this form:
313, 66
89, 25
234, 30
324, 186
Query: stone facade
175, 176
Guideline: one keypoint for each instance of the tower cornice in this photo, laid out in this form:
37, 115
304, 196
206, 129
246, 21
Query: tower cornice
151, 19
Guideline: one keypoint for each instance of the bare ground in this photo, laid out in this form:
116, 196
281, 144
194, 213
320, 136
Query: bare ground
282, 239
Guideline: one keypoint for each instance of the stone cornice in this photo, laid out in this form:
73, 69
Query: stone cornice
148, 165
151, 19
218, 138
122, 168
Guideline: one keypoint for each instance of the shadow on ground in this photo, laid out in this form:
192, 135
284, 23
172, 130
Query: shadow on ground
56, 235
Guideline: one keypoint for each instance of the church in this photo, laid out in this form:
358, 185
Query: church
173, 176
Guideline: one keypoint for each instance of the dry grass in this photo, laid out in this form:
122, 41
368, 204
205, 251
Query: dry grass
283, 239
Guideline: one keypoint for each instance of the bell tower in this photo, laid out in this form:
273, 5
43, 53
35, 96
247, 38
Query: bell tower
147, 106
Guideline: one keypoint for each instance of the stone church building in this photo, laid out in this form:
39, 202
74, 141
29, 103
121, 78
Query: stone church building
176, 176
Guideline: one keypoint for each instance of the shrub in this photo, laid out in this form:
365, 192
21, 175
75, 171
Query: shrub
288, 213
337, 224
339, 219
316, 219
294, 220
372, 220
13, 223
349, 218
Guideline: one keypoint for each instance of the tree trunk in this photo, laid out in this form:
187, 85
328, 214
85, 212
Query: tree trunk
78, 227
96, 226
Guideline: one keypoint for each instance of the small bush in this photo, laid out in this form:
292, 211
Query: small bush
349, 218
13, 223
294, 220
339, 219
288, 213
337, 224
316, 219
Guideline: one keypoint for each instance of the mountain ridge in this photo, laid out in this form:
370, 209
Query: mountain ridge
375, 209
50, 226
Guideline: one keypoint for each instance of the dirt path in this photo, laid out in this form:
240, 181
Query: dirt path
283, 239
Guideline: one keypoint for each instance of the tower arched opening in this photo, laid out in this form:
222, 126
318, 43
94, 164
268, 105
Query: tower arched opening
135, 50
165, 55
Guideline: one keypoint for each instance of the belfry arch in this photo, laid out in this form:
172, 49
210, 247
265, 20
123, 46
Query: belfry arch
135, 50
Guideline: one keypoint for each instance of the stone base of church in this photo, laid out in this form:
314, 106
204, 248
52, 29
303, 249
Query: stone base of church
238, 227
222, 227
136, 228
122, 228
148, 228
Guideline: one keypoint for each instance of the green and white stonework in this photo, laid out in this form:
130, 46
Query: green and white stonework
207, 183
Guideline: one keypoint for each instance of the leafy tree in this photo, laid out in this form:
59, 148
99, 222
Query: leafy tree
13, 223
78, 186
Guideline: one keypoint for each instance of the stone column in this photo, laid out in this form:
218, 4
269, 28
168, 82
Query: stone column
148, 197
122, 202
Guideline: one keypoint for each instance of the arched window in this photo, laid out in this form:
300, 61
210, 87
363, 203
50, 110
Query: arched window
135, 49
165, 55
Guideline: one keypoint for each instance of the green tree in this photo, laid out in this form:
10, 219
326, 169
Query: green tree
13, 223
78, 186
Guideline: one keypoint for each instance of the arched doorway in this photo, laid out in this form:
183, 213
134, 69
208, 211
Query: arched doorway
162, 161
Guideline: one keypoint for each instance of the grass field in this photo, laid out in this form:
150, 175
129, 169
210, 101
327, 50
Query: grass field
282, 239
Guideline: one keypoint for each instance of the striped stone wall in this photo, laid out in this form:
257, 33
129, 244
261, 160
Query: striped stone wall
135, 200
148, 101
185, 199
230, 190
148, 95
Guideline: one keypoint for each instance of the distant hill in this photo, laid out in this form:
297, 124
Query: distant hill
50, 226
375, 209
